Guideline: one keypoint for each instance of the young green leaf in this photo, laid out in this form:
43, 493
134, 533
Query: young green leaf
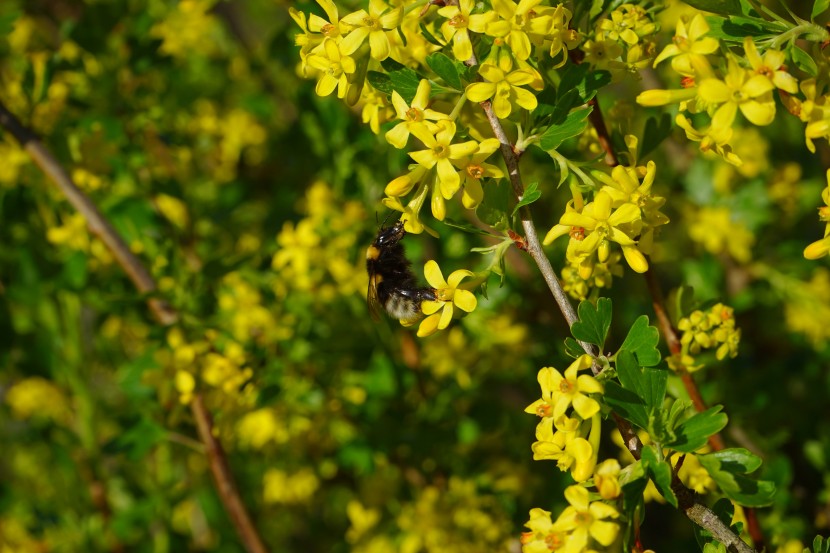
660, 473
573, 125
593, 323
693, 433
819, 7
728, 468
445, 68
531, 194
649, 384
803, 61
579, 77
642, 341
572, 348
626, 404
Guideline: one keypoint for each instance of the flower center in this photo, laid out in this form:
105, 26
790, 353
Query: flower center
329, 30
565, 386
459, 21
544, 410
577, 233
372, 23
583, 519
765, 71
824, 213
554, 541
441, 150
687, 82
414, 115
475, 171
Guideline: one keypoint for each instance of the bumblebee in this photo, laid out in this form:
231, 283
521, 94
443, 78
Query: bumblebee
392, 286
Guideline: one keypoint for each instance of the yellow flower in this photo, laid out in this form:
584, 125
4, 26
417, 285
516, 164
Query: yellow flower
376, 108
448, 297
820, 248
518, 25
689, 47
471, 170
715, 229
712, 138
770, 66
459, 24
603, 226
414, 115
334, 67
440, 153
542, 538
560, 392
37, 397
504, 87
606, 479
739, 89
372, 24
584, 519
570, 451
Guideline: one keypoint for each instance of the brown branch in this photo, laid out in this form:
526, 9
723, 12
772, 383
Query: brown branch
223, 478
163, 313
98, 225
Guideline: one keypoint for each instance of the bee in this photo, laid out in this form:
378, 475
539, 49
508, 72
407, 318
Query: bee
392, 286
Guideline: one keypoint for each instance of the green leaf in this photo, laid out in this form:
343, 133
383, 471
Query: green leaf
429, 36
655, 132
803, 61
820, 545
642, 341
572, 348
573, 125
722, 7
649, 384
659, 472
819, 7
585, 82
380, 82
445, 68
531, 194
633, 481
728, 467
593, 323
7, 21
493, 208
693, 433
626, 403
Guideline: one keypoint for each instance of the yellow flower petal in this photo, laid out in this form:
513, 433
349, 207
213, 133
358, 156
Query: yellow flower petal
465, 300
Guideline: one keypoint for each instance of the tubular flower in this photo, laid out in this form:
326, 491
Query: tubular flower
560, 392
471, 170
414, 115
448, 297
334, 67
440, 153
739, 89
603, 225
372, 24
689, 47
519, 25
820, 248
570, 451
606, 479
585, 519
411, 211
459, 24
503, 86
770, 66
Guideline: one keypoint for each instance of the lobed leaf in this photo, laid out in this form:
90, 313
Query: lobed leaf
531, 194
574, 124
593, 323
660, 473
728, 467
693, 433
642, 341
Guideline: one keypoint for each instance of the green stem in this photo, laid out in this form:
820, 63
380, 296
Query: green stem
815, 32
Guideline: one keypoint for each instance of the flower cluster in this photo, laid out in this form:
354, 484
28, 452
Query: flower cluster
623, 42
623, 211
711, 329
586, 523
744, 84
561, 437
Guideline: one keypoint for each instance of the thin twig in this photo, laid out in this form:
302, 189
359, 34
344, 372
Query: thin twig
98, 225
223, 478
163, 313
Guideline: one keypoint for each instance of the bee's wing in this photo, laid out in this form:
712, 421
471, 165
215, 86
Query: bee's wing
372, 299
